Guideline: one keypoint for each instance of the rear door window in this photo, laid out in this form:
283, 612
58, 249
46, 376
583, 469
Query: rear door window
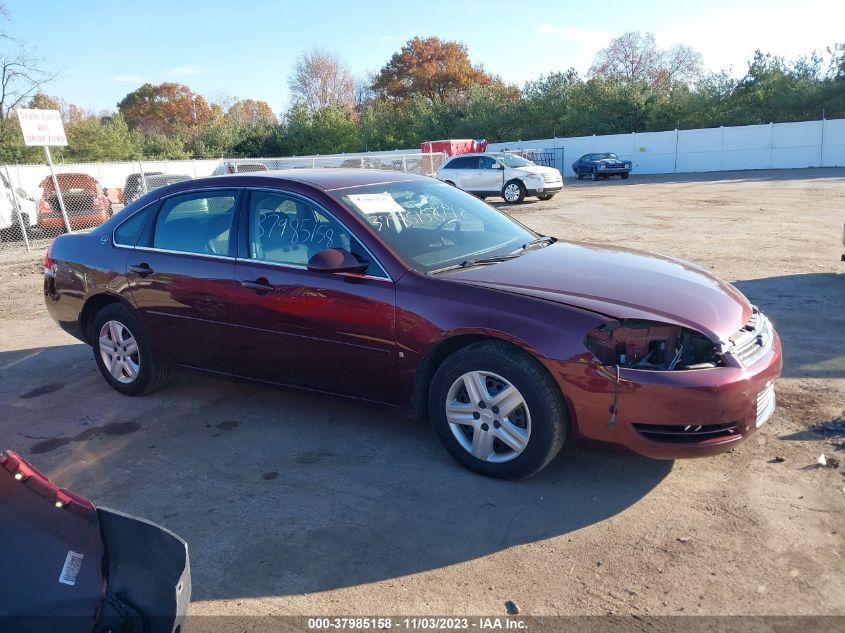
198, 223
465, 162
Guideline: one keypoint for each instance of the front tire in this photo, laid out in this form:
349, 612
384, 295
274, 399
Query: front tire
513, 192
124, 354
594, 175
625, 176
497, 411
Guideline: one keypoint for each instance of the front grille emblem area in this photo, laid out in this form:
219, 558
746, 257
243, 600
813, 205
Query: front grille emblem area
753, 340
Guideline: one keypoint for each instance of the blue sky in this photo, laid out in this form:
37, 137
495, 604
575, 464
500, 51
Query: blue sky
246, 48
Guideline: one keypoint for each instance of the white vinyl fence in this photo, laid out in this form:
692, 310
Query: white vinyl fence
772, 146
27, 200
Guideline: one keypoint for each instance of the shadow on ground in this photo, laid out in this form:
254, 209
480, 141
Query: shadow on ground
280, 493
808, 315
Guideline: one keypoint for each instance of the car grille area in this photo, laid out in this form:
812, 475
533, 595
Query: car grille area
686, 433
753, 340
551, 178
765, 404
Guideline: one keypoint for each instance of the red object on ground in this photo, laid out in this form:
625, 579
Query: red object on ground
454, 147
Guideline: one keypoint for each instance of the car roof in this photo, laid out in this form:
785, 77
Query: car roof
326, 179
69, 179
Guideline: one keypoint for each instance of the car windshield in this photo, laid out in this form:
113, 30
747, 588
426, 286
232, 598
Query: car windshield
432, 225
512, 160
606, 155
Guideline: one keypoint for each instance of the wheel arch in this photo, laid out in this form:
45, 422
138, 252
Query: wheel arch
93, 305
449, 345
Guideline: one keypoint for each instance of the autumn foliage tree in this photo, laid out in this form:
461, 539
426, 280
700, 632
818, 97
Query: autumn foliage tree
431, 67
165, 109
430, 89
251, 113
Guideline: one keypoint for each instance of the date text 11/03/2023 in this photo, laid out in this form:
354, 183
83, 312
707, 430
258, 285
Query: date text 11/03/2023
430, 623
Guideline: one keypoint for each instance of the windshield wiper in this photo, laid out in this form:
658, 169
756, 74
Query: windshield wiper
543, 239
481, 261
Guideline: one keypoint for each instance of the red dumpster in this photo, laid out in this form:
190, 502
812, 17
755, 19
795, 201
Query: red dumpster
453, 147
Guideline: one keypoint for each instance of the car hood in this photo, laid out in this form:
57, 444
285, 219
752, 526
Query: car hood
620, 283
611, 161
536, 169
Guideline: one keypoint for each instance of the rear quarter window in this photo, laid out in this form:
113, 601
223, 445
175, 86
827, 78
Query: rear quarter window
127, 234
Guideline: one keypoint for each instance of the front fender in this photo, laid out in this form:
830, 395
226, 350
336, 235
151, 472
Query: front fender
431, 311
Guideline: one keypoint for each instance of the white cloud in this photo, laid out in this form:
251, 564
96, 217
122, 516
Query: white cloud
128, 79
549, 29
592, 40
186, 70
786, 31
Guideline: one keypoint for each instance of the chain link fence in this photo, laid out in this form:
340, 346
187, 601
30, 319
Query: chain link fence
37, 205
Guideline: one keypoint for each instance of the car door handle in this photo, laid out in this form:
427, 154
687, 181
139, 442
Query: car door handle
259, 285
143, 270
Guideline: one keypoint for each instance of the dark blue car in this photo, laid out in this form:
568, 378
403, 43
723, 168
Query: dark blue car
601, 165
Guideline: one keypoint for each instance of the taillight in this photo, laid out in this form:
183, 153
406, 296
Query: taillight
44, 206
49, 264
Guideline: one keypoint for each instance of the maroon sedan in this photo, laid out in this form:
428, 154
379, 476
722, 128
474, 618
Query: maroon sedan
400, 289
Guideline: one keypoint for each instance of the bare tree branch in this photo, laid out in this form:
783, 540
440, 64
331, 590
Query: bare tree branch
21, 72
635, 57
320, 79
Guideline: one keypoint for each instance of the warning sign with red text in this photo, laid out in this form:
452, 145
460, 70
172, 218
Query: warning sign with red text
42, 127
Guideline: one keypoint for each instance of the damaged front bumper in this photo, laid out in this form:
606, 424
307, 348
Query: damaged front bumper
670, 414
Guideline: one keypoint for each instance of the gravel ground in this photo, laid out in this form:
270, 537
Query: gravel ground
298, 505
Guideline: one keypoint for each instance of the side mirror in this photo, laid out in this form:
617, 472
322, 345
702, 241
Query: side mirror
335, 260
497, 166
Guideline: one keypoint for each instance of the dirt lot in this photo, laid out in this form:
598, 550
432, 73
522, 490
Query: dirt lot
297, 505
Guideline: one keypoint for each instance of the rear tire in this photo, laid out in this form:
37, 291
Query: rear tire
115, 331
537, 422
546, 196
579, 176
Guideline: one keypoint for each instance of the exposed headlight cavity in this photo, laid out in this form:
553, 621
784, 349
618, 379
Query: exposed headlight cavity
638, 344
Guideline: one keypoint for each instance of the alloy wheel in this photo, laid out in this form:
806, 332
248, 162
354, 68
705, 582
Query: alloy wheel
488, 416
119, 351
512, 192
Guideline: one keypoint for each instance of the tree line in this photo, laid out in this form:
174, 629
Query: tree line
430, 89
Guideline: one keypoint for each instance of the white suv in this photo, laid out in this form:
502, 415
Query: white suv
9, 225
506, 175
